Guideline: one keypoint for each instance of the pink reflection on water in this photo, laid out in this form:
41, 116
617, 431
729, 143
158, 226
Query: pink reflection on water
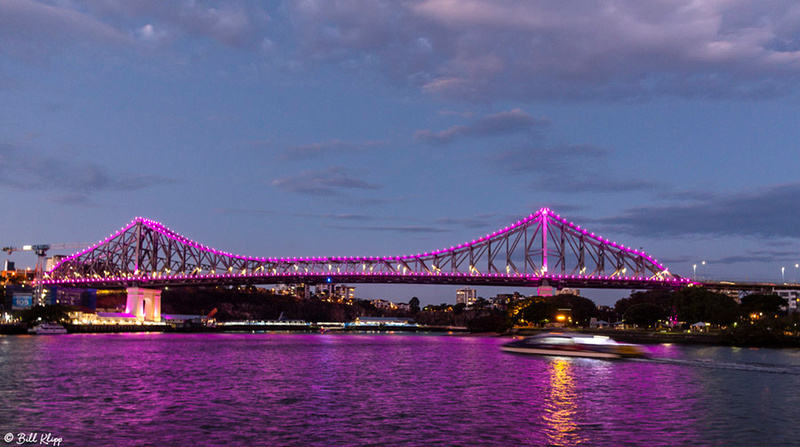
561, 404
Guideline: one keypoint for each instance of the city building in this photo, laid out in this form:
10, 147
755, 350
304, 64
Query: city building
301, 291
383, 304
502, 300
466, 296
569, 291
344, 293
340, 293
74, 297
792, 298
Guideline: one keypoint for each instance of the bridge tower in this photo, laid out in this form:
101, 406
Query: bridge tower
144, 304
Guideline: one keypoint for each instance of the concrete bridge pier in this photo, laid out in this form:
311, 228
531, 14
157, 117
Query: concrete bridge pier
144, 304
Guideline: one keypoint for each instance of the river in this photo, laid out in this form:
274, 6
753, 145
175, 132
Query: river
384, 390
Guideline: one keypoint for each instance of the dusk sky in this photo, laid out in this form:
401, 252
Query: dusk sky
366, 128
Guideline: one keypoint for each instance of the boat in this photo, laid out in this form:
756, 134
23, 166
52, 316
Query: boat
575, 345
47, 329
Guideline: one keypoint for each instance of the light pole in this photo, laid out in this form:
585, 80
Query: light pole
694, 271
783, 277
703, 264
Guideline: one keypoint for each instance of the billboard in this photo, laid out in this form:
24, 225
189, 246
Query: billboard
21, 301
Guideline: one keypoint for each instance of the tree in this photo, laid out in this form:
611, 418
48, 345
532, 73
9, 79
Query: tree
769, 304
698, 304
480, 303
413, 304
583, 309
533, 310
644, 314
54, 313
661, 298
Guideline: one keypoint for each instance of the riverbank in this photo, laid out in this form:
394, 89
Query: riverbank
20, 329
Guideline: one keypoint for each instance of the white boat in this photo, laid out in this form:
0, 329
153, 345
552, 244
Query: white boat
47, 329
575, 345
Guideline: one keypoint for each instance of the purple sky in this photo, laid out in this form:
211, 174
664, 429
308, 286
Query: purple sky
366, 128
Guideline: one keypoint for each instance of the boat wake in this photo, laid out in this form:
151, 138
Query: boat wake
730, 366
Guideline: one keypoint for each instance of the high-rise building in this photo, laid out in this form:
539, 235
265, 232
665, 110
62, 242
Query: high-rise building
466, 296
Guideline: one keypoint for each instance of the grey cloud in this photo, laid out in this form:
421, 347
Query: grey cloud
74, 181
233, 23
499, 124
566, 168
32, 31
393, 228
543, 159
329, 182
479, 221
769, 212
481, 50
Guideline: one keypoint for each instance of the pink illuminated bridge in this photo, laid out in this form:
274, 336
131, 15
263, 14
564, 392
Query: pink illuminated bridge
541, 249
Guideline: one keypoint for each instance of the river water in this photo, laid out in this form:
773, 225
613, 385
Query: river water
385, 390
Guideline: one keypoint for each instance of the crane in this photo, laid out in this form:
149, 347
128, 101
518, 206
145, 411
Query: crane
41, 253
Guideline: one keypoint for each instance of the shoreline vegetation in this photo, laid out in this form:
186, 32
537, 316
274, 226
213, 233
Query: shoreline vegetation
644, 317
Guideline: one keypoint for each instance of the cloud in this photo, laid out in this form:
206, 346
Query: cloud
480, 50
480, 221
72, 181
416, 229
329, 182
32, 31
472, 50
751, 256
499, 124
149, 33
316, 150
235, 24
771, 212
584, 164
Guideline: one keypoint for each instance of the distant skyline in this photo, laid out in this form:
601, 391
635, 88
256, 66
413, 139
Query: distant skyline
367, 128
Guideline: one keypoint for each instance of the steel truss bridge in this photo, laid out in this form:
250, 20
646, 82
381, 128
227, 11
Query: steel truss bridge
542, 249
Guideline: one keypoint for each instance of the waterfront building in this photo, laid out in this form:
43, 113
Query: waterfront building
382, 321
340, 293
792, 298
52, 261
502, 300
383, 304
74, 297
569, 291
344, 293
301, 291
466, 296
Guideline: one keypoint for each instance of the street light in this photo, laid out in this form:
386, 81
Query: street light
783, 277
694, 269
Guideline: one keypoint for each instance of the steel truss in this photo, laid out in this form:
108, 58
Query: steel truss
543, 248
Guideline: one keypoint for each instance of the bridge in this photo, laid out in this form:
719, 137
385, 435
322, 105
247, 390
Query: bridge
541, 249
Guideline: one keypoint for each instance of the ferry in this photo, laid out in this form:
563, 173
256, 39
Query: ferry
575, 345
47, 329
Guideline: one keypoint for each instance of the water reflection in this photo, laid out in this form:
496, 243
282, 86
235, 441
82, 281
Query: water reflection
309, 390
561, 405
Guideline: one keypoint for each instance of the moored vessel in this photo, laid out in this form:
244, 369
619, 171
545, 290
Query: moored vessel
47, 329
